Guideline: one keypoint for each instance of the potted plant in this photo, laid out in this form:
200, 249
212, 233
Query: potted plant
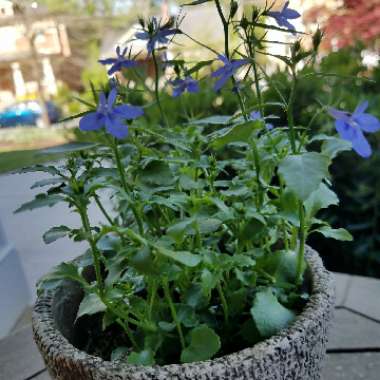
200, 269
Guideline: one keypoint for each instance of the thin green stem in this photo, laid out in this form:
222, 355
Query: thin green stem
225, 28
302, 242
103, 210
126, 187
128, 331
290, 110
301, 210
224, 302
173, 311
94, 250
156, 87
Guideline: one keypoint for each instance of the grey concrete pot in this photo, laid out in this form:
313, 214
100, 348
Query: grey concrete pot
296, 353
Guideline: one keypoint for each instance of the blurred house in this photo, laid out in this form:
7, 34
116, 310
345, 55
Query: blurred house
29, 43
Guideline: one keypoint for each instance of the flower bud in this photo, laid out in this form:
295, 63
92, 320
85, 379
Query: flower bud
234, 6
244, 23
317, 39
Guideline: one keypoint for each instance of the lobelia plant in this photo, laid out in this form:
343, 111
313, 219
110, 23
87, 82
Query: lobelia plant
203, 250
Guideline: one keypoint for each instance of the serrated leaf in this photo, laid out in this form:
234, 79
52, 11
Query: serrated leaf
41, 200
144, 357
90, 305
269, 315
204, 344
55, 233
47, 182
186, 258
319, 199
39, 168
304, 173
63, 271
337, 234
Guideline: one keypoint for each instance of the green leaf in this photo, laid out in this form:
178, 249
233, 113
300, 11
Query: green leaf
335, 145
39, 168
304, 173
213, 120
209, 280
68, 148
186, 258
208, 225
90, 305
289, 207
199, 66
144, 357
196, 2
204, 344
56, 233
240, 132
269, 315
63, 271
119, 353
179, 230
47, 182
319, 199
337, 234
143, 262
156, 172
283, 266
41, 200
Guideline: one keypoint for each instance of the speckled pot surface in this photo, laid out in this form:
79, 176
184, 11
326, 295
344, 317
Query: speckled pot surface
297, 353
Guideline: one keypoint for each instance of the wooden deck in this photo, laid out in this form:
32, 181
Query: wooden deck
353, 352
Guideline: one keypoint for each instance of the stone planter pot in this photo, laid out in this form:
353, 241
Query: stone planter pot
296, 353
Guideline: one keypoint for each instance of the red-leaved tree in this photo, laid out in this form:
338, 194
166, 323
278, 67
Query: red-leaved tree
357, 20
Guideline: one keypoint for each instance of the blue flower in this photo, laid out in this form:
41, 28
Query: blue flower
285, 15
351, 127
256, 115
181, 85
227, 71
119, 62
158, 35
109, 116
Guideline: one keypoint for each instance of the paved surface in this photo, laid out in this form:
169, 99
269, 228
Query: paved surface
353, 351
25, 230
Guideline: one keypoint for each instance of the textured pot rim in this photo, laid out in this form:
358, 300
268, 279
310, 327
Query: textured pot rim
322, 297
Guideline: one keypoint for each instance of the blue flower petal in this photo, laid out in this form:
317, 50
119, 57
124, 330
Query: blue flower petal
368, 123
361, 108
116, 127
290, 14
255, 115
221, 82
91, 122
345, 131
339, 115
107, 61
102, 100
361, 145
178, 91
112, 97
193, 86
128, 112
115, 68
